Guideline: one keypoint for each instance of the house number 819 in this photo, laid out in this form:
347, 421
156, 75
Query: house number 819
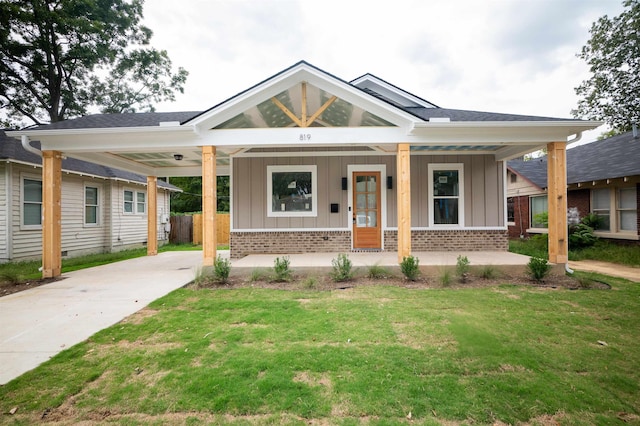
305, 137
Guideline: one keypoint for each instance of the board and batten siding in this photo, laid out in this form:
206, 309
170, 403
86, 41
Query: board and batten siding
5, 223
483, 187
250, 191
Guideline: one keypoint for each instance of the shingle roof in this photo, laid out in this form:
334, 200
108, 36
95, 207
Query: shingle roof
11, 149
139, 119
615, 157
464, 115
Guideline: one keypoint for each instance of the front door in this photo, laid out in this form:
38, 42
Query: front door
366, 210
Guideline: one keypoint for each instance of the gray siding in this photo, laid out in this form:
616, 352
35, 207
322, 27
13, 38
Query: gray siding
483, 189
483, 186
250, 191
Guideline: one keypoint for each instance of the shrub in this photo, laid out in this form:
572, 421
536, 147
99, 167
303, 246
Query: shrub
10, 277
341, 268
538, 268
581, 236
592, 220
409, 267
462, 268
377, 272
488, 272
257, 275
445, 277
221, 270
281, 271
310, 282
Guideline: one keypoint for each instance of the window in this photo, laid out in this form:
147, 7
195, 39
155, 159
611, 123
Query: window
31, 203
446, 182
141, 202
135, 202
538, 209
601, 205
291, 191
90, 205
627, 209
511, 210
128, 201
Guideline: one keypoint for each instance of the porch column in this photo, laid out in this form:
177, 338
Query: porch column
209, 204
404, 201
51, 214
152, 216
557, 201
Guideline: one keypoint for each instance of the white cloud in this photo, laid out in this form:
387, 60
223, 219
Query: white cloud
511, 56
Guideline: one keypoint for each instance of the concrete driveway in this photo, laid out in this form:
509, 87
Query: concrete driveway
38, 323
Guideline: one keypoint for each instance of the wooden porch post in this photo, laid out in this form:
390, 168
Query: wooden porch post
152, 216
51, 214
557, 201
404, 201
209, 204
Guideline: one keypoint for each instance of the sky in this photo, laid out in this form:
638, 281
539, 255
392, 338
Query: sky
508, 56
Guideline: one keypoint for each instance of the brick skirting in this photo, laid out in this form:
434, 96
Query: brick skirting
283, 242
452, 240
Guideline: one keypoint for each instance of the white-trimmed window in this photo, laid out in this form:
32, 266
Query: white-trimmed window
91, 205
134, 202
627, 210
291, 191
141, 202
31, 196
537, 206
601, 205
446, 195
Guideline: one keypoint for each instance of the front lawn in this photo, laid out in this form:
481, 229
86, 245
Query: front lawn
372, 354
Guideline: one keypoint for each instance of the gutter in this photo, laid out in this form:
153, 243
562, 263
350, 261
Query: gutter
27, 146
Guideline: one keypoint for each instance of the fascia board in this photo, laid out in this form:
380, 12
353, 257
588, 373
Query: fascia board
36, 134
509, 152
285, 81
393, 89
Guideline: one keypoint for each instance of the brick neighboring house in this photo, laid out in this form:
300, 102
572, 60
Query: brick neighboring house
603, 177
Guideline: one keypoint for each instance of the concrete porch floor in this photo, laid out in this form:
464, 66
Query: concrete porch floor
430, 262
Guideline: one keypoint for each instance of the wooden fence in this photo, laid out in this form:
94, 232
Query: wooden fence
188, 229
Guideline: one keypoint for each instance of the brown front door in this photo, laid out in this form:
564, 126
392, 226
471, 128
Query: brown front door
366, 210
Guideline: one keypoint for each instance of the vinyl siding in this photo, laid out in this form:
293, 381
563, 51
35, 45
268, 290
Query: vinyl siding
483, 186
5, 224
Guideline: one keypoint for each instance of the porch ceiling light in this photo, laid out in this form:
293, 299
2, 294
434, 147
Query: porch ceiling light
178, 157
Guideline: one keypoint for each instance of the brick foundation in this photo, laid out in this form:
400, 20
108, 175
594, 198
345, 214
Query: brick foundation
283, 242
451, 240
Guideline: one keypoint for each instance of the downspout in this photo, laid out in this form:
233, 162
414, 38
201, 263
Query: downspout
27, 146
566, 265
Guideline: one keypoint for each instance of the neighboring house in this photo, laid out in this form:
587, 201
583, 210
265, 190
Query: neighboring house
103, 209
603, 177
320, 164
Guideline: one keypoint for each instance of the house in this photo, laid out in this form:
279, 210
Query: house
102, 209
320, 164
603, 177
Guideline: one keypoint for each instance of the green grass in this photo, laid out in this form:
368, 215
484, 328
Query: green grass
28, 270
364, 355
624, 254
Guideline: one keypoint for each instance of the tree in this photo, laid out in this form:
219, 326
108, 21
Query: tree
613, 54
190, 200
61, 58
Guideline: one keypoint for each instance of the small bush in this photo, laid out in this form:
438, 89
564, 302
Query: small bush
281, 271
445, 277
409, 267
341, 268
257, 275
592, 220
310, 282
462, 268
377, 272
10, 277
538, 268
221, 270
488, 272
581, 236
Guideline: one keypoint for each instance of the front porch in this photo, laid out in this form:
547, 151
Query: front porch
431, 263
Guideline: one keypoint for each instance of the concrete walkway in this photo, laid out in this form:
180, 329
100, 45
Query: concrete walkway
627, 272
38, 323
